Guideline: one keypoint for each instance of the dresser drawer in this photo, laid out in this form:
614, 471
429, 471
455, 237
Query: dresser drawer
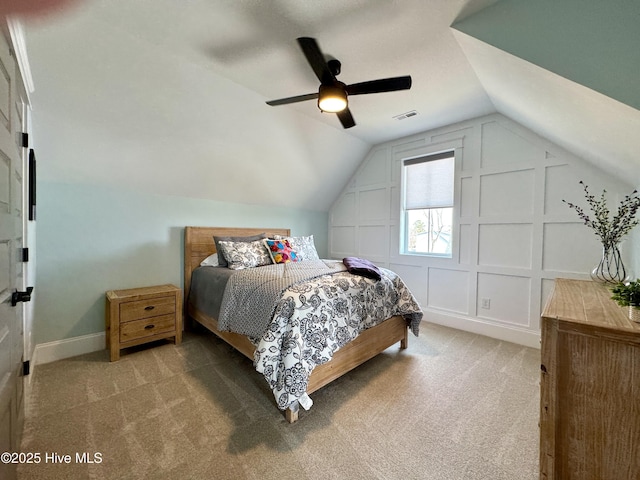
147, 327
152, 307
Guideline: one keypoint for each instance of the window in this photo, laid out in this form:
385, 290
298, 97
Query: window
428, 204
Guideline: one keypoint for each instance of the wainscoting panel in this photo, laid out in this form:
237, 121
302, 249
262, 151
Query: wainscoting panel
499, 145
448, 290
414, 277
560, 185
468, 198
562, 252
547, 288
373, 242
375, 170
394, 214
344, 211
517, 186
508, 297
373, 205
512, 232
465, 244
505, 245
343, 241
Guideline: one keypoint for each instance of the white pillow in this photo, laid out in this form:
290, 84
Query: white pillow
303, 246
210, 261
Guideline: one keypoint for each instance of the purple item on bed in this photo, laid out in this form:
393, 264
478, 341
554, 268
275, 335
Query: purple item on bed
363, 267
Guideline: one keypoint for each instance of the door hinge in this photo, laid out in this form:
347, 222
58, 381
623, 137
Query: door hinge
17, 297
25, 140
26, 368
25, 255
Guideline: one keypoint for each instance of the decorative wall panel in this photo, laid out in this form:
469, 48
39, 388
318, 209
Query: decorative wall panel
508, 193
502, 146
344, 210
547, 288
394, 214
512, 228
372, 242
373, 205
448, 290
343, 241
569, 247
468, 198
508, 296
414, 277
505, 245
375, 170
560, 185
465, 244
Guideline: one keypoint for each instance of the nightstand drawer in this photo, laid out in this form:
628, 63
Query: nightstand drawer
152, 307
147, 327
139, 315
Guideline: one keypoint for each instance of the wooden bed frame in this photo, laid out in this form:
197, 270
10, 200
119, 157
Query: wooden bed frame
199, 244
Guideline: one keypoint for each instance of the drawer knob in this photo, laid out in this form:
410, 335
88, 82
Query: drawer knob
149, 327
150, 307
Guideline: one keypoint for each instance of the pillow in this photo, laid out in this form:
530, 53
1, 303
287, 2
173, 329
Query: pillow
280, 251
241, 255
303, 246
210, 261
251, 238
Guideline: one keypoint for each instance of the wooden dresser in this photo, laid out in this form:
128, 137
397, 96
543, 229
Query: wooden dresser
140, 315
590, 386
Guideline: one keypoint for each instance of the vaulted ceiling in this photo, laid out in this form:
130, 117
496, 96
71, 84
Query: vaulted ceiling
169, 97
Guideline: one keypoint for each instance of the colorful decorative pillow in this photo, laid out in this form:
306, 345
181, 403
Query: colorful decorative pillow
241, 255
280, 251
251, 238
303, 246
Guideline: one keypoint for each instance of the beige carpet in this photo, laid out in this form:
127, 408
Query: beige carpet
453, 406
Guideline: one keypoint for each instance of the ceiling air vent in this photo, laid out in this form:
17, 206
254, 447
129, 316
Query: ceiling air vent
404, 115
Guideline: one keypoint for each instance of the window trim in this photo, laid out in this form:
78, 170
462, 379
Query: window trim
454, 148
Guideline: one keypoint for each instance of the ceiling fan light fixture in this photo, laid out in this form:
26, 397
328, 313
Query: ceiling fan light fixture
332, 99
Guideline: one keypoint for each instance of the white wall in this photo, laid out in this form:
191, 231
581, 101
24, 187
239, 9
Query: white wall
514, 233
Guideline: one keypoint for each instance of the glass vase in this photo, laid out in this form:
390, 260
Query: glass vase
610, 269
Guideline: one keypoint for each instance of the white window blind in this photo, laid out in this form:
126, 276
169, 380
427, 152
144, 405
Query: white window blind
429, 181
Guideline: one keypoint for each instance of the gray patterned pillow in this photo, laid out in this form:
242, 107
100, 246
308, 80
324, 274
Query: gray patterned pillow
217, 239
241, 255
303, 246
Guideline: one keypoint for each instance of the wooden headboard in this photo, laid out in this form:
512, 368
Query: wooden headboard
198, 245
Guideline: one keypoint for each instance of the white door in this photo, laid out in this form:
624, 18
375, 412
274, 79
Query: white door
11, 269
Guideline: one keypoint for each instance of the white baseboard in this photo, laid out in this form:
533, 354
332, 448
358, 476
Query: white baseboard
69, 347
474, 325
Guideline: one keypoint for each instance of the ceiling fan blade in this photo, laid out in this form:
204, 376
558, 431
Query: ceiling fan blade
346, 118
316, 59
380, 86
298, 98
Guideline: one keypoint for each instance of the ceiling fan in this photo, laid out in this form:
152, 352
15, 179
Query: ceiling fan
332, 94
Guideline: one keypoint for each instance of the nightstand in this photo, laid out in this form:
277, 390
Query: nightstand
140, 315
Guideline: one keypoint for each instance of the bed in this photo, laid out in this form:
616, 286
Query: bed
199, 244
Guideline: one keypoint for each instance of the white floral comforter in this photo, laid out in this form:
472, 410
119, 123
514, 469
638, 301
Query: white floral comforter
316, 318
